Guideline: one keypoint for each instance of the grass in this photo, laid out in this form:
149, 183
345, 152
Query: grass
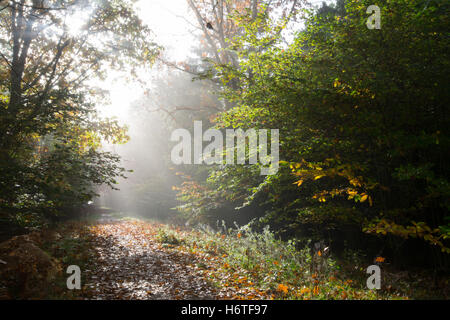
168, 236
258, 265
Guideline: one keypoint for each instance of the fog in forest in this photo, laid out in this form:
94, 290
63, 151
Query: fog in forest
148, 189
224, 149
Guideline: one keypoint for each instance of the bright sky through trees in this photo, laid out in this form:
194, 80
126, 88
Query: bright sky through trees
168, 21
173, 26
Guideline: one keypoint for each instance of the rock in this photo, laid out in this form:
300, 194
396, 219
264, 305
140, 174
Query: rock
27, 268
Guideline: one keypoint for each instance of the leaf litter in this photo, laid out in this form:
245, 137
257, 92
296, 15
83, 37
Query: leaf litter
128, 263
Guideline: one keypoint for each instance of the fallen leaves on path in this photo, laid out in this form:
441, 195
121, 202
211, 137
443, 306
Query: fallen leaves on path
129, 264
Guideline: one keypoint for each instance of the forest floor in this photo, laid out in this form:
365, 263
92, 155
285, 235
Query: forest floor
123, 259
128, 258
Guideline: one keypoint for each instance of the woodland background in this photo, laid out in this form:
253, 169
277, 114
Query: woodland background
363, 118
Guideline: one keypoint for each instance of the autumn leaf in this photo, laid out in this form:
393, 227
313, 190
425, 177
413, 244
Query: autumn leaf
316, 290
282, 288
305, 290
298, 183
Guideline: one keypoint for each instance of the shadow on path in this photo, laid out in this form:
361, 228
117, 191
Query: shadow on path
128, 264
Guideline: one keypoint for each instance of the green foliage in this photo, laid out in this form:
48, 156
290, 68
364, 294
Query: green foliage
363, 119
168, 236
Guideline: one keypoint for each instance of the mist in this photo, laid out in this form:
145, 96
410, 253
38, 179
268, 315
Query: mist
172, 99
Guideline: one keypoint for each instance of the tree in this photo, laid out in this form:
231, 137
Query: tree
362, 123
219, 15
50, 134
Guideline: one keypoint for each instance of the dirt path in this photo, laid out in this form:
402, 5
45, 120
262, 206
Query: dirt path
129, 264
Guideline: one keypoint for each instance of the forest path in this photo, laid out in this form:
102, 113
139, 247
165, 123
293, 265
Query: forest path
127, 263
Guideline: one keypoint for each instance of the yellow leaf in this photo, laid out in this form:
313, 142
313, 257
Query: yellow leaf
299, 183
364, 198
318, 177
355, 182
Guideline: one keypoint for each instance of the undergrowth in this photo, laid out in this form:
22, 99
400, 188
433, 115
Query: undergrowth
259, 265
